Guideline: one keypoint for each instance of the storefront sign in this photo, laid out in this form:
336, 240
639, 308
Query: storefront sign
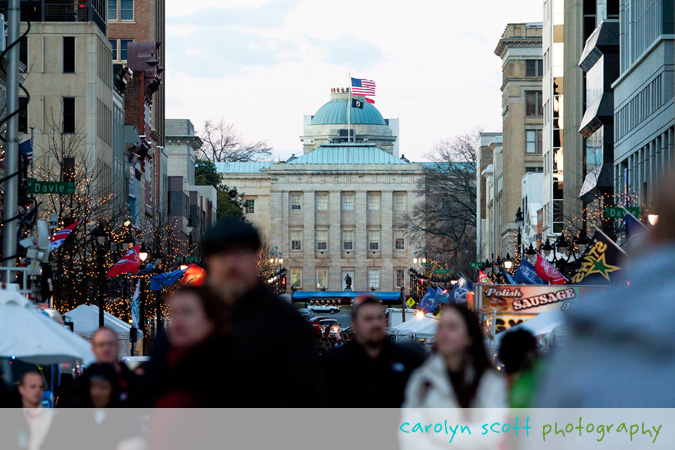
523, 299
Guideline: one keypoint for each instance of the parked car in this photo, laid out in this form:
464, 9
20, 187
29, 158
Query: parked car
332, 309
306, 313
331, 324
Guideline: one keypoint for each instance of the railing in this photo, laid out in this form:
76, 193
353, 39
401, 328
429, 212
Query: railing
69, 12
20, 276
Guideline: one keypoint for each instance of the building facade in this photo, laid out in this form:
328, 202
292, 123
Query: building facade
338, 209
485, 146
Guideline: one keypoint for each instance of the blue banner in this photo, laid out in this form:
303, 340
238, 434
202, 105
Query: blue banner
158, 282
527, 274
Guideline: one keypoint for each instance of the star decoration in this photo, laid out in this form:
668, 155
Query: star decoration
600, 266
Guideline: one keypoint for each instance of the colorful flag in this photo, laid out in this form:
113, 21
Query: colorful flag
136, 306
508, 277
357, 103
527, 274
633, 227
427, 302
461, 290
370, 100
147, 268
130, 263
158, 282
547, 272
58, 238
601, 261
194, 276
26, 149
482, 278
362, 86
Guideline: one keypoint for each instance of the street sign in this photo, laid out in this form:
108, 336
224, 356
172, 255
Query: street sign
441, 271
617, 212
50, 187
410, 302
475, 265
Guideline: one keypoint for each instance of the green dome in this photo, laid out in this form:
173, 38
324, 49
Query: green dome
335, 113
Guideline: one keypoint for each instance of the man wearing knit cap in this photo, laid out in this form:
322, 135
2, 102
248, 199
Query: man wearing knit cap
272, 357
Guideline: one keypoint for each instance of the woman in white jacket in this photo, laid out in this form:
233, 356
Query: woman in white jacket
457, 375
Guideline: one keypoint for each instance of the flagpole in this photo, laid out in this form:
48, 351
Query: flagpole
349, 110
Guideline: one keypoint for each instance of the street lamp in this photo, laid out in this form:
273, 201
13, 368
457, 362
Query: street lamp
143, 254
547, 248
508, 262
101, 238
519, 222
653, 218
531, 254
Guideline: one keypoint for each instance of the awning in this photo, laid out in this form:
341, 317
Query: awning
301, 296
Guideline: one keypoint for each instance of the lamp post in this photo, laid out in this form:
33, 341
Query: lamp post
101, 238
158, 258
142, 255
519, 222
276, 259
190, 227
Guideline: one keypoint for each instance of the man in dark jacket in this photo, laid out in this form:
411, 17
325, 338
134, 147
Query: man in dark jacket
272, 356
369, 371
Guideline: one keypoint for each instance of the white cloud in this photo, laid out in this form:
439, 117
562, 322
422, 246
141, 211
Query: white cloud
433, 62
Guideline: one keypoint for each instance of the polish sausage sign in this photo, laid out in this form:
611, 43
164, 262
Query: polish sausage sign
524, 299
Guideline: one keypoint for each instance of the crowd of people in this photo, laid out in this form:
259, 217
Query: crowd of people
233, 344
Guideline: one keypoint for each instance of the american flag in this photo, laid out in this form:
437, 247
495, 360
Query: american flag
361, 86
26, 148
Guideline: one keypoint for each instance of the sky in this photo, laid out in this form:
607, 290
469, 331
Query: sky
264, 64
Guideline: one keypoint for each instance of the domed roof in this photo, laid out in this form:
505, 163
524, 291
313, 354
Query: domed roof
335, 113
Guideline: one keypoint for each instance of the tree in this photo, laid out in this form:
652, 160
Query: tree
223, 144
446, 220
230, 201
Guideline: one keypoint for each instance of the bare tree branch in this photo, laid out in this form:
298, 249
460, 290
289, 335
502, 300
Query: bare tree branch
222, 143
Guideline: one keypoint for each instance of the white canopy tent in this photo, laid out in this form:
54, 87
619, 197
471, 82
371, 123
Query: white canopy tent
424, 327
85, 324
28, 334
541, 325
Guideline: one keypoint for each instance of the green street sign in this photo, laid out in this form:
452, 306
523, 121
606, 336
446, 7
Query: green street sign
475, 265
50, 187
617, 212
442, 271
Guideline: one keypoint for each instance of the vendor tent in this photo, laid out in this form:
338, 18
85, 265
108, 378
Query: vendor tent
85, 323
424, 327
542, 324
28, 334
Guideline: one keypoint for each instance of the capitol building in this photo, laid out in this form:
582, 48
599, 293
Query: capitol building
338, 208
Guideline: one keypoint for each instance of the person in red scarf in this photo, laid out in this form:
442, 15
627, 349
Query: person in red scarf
184, 372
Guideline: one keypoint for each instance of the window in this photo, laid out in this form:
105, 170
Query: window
399, 240
533, 103
126, 9
112, 10
69, 54
296, 278
296, 240
113, 43
374, 240
534, 67
321, 278
296, 202
373, 278
23, 115
399, 202
322, 202
23, 51
348, 202
399, 278
374, 201
249, 206
124, 44
533, 141
69, 114
322, 240
348, 240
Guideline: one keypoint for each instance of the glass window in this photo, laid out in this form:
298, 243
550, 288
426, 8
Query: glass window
374, 240
374, 201
23, 114
322, 240
534, 67
23, 51
126, 9
348, 240
296, 240
348, 202
124, 43
112, 10
399, 240
322, 202
373, 278
113, 43
296, 202
533, 103
400, 278
69, 54
249, 205
533, 141
296, 278
69, 114
321, 278
399, 202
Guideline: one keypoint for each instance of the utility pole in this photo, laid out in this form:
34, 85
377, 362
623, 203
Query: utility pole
12, 144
